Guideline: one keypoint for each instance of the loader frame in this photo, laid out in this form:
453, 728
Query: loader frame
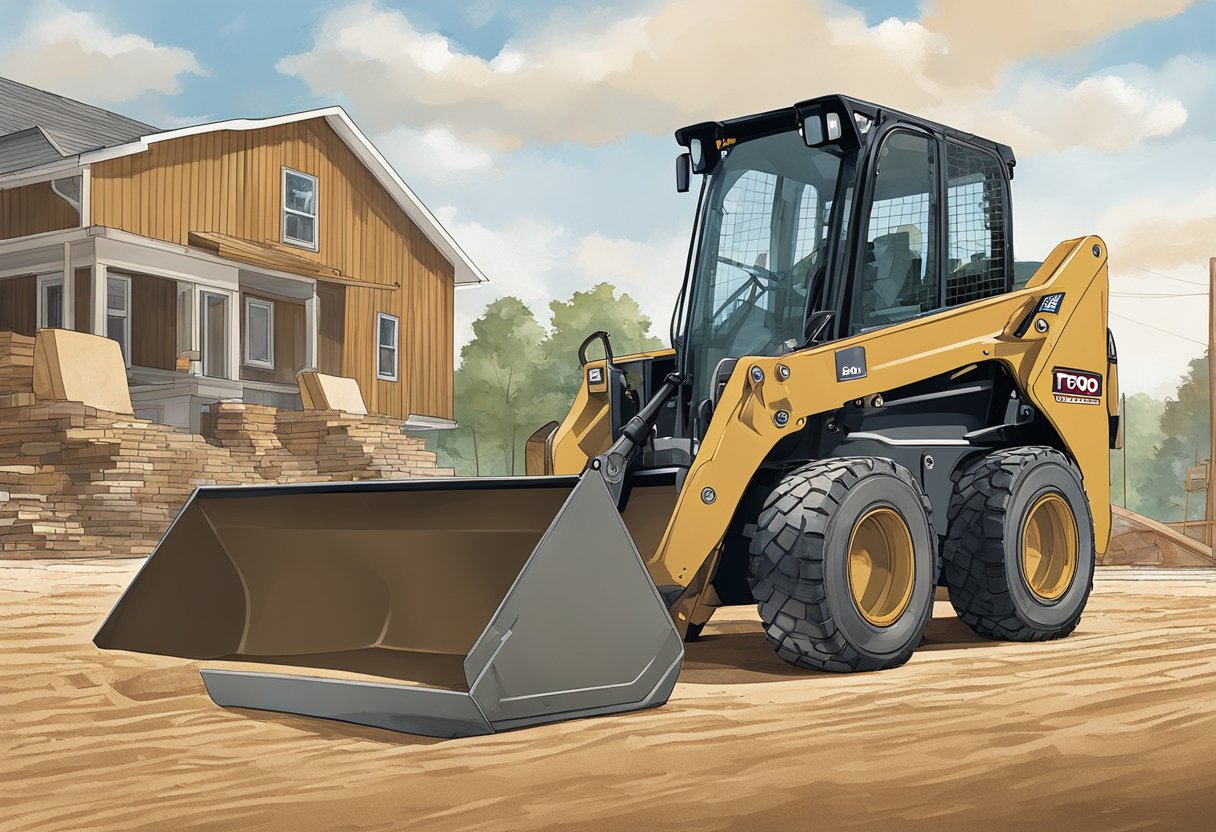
775, 412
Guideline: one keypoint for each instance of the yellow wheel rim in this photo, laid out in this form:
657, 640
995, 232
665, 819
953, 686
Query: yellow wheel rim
882, 566
1049, 547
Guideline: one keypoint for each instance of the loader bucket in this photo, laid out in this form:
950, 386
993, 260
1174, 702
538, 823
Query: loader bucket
444, 607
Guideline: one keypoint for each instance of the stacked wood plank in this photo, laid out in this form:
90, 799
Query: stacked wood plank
349, 447
79, 482
16, 363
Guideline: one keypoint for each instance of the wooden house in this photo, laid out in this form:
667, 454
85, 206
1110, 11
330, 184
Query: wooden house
225, 258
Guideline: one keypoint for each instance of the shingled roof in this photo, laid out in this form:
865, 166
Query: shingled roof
37, 127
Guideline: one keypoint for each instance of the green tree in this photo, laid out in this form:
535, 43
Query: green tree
1141, 437
1184, 431
598, 308
514, 377
495, 391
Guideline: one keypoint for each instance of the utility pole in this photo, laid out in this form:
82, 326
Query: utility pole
1209, 516
1126, 433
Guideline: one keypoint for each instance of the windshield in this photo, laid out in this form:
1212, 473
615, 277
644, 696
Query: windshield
761, 253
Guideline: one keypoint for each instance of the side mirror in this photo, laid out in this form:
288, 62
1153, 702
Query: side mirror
821, 128
816, 326
683, 172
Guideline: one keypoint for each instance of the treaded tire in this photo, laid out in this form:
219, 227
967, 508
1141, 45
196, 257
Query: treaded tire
798, 572
981, 555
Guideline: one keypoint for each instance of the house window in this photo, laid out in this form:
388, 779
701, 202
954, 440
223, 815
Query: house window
118, 313
213, 330
50, 301
386, 347
259, 333
299, 209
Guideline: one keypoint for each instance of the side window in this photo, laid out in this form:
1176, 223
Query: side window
746, 238
899, 277
976, 240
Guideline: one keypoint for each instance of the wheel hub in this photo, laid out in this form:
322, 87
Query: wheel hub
1049, 547
882, 566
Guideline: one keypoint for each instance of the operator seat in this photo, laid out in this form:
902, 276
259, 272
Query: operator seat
887, 276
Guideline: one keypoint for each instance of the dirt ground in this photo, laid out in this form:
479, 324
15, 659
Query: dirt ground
1112, 729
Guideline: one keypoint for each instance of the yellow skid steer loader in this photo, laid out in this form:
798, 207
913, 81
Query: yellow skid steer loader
866, 397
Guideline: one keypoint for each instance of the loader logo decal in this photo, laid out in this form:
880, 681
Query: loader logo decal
1051, 303
1076, 386
850, 363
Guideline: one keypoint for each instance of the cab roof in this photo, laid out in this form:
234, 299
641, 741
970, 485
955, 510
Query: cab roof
790, 118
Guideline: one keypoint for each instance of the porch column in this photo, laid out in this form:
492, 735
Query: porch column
97, 299
234, 336
69, 289
311, 307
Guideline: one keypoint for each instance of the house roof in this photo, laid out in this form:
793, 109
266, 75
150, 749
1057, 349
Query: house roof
39, 129
68, 127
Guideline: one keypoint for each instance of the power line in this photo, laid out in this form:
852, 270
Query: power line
1158, 329
1158, 294
1170, 277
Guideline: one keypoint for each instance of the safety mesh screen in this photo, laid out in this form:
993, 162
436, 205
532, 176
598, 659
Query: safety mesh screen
808, 223
976, 215
746, 233
905, 214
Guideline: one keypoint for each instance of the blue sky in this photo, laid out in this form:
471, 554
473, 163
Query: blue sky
541, 132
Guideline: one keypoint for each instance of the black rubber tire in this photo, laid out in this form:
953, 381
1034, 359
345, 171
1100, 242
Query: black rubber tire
798, 572
693, 633
981, 555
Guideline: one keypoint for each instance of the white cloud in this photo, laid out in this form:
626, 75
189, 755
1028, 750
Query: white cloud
538, 261
1104, 112
75, 54
1097, 138
597, 81
441, 149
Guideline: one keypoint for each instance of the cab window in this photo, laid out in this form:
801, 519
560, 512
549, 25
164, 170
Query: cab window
899, 275
975, 216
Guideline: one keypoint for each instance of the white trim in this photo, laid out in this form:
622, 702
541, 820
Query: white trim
69, 289
315, 216
312, 319
268, 305
396, 347
203, 312
46, 238
86, 195
467, 272
42, 282
32, 176
125, 312
97, 298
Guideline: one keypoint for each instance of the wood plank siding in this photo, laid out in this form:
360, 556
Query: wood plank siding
19, 304
230, 182
153, 322
34, 209
84, 293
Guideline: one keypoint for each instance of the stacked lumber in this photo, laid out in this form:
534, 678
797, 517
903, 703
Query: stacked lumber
79, 482
16, 363
349, 447
249, 429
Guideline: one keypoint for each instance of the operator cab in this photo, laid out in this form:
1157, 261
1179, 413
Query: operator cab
775, 264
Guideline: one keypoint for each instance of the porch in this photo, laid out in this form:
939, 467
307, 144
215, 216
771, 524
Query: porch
194, 328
